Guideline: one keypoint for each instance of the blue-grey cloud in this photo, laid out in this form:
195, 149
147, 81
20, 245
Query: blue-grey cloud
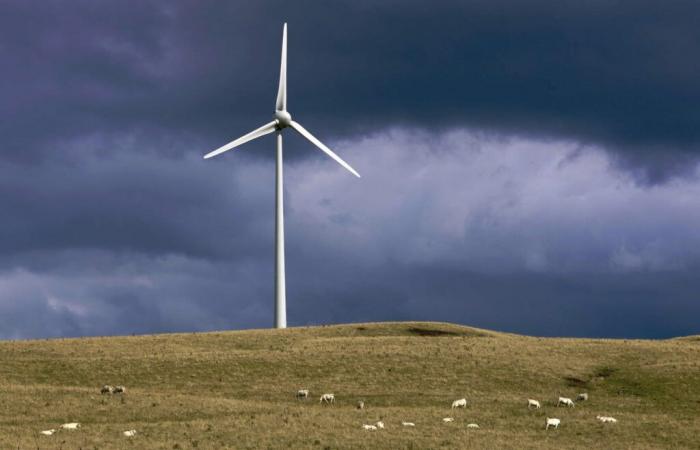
526, 166
621, 74
542, 237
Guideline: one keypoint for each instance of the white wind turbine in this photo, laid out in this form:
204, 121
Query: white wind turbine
282, 120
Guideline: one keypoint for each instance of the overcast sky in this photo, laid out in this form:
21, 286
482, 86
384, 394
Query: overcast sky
527, 166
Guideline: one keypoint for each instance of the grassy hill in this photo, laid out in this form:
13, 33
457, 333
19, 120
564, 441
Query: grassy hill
236, 390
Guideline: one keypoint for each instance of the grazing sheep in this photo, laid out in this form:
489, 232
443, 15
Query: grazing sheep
70, 426
461, 403
360, 405
408, 424
106, 389
327, 398
369, 427
472, 425
302, 394
566, 401
551, 422
582, 396
130, 433
533, 403
606, 419
48, 432
380, 424
448, 419
119, 390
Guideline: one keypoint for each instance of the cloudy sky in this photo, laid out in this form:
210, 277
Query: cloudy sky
529, 166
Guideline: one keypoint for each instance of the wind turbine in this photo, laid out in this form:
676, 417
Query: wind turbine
282, 120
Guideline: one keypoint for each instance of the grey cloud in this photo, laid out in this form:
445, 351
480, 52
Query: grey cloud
133, 203
510, 233
621, 75
498, 205
501, 146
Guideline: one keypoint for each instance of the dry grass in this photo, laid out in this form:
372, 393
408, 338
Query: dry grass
236, 390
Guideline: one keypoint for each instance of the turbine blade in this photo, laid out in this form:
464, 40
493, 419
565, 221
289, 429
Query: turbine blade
301, 130
282, 91
262, 131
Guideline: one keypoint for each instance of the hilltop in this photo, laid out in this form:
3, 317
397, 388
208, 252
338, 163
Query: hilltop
236, 389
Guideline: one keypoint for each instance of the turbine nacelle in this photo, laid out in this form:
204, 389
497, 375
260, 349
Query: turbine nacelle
283, 119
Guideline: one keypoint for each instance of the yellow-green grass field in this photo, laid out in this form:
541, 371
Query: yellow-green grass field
236, 390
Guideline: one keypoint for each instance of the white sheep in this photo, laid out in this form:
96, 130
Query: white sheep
380, 424
327, 398
119, 389
551, 422
70, 426
360, 405
369, 427
582, 396
566, 401
461, 403
448, 419
472, 425
606, 419
48, 432
408, 424
302, 394
130, 433
106, 389
533, 403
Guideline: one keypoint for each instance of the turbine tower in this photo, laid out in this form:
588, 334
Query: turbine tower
282, 120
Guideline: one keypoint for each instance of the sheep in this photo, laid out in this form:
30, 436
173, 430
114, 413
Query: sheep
130, 433
369, 427
302, 394
533, 403
360, 405
106, 389
48, 432
408, 424
327, 398
606, 419
583, 396
566, 401
551, 422
380, 424
119, 390
461, 403
472, 425
448, 419
70, 426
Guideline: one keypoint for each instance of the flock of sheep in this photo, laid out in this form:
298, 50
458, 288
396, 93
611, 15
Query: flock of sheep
74, 426
550, 422
106, 389
329, 398
554, 422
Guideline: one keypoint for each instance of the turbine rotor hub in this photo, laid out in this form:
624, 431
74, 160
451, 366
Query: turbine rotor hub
283, 118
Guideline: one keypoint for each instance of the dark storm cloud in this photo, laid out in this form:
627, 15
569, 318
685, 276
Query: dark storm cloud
529, 303
623, 74
500, 143
133, 202
531, 236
